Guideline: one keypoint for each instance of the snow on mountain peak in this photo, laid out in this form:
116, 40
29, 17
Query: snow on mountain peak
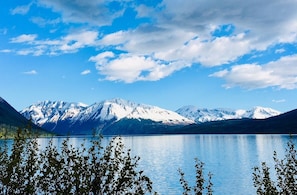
114, 109
52, 111
205, 115
117, 109
261, 113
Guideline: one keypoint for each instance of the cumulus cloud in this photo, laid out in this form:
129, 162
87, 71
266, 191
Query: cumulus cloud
75, 41
211, 52
253, 16
281, 74
130, 68
209, 33
185, 35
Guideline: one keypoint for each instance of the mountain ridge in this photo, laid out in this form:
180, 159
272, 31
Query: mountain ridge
201, 115
59, 116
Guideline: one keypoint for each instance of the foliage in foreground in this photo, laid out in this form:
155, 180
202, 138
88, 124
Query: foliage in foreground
69, 170
25, 169
199, 187
286, 175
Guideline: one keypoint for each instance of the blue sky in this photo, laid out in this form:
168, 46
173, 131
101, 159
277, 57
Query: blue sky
170, 53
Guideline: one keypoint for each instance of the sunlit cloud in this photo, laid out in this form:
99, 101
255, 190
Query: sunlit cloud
281, 74
131, 68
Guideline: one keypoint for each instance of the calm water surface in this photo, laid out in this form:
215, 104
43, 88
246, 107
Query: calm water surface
230, 158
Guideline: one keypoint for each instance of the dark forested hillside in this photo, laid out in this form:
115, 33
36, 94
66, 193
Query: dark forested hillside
11, 120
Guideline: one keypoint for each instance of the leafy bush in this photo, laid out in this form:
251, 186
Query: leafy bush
111, 170
199, 187
286, 174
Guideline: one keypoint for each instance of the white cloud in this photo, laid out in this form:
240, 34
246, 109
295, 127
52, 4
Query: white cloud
253, 16
175, 39
85, 72
36, 51
24, 9
31, 72
212, 52
70, 43
184, 35
281, 74
75, 41
131, 68
147, 39
174, 51
24, 38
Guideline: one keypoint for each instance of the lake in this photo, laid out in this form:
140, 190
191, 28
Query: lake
230, 158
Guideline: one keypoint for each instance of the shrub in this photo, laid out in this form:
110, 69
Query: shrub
199, 187
286, 174
111, 170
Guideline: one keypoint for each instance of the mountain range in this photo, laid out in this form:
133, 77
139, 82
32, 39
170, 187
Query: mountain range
118, 116
77, 118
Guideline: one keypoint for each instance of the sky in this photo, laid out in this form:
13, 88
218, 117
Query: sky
168, 53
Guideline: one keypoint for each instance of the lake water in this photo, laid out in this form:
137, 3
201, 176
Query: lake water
230, 158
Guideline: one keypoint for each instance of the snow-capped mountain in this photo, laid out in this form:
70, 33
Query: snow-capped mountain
52, 111
205, 115
59, 116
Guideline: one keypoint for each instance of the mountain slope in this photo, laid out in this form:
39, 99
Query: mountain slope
10, 119
206, 115
76, 118
282, 124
